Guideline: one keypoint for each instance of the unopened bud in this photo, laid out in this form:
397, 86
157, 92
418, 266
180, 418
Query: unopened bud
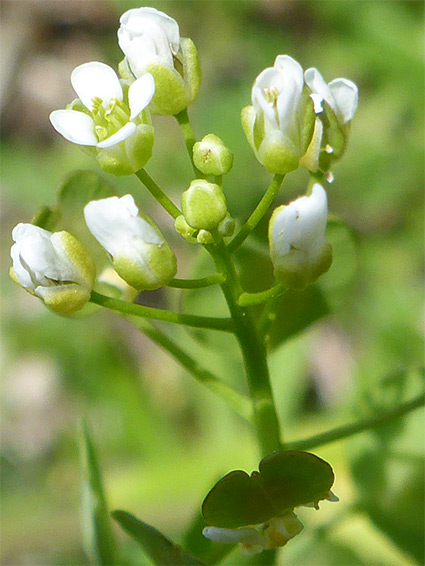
204, 205
211, 156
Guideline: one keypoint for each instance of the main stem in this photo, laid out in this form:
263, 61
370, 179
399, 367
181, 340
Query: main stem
254, 354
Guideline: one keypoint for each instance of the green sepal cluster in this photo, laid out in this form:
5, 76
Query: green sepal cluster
130, 155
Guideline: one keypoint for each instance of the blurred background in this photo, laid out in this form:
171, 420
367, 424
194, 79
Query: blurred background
162, 439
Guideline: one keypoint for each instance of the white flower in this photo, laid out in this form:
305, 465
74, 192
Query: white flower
342, 95
148, 36
275, 124
106, 119
138, 250
53, 266
151, 42
254, 539
277, 93
298, 248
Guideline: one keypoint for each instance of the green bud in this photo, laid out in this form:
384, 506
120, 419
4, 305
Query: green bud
204, 205
211, 156
227, 226
204, 237
183, 228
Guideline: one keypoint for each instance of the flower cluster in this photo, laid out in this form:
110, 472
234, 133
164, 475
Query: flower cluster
58, 269
111, 117
296, 118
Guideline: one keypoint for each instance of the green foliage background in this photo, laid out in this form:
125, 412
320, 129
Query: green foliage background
163, 440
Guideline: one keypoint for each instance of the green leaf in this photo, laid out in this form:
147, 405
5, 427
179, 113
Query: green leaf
294, 478
159, 548
237, 500
286, 480
97, 527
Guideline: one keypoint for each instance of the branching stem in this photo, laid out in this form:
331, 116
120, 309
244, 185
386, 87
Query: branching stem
343, 432
158, 193
209, 281
257, 214
205, 322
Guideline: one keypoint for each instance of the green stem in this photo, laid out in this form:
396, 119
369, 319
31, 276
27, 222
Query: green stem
215, 279
345, 431
189, 138
238, 402
254, 354
257, 214
205, 322
158, 193
248, 299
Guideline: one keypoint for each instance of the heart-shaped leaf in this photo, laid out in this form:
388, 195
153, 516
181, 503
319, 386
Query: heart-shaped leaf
294, 478
236, 500
286, 480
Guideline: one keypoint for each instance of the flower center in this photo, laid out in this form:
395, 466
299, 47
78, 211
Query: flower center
271, 95
109, 120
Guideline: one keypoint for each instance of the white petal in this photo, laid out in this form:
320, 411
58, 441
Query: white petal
130, 21
74, 126
115, 224
95, 79
289, 66
346, 96
301, 224
140, 94
312, 212
122, 134
317, 103
267, 79
317, 85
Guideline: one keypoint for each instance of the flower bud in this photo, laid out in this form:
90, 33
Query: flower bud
204, 205
151, 43
227, 226
298, 248
211, 156
52, 266
280, 122
335, 105
183, 228
137, 248
112, 123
